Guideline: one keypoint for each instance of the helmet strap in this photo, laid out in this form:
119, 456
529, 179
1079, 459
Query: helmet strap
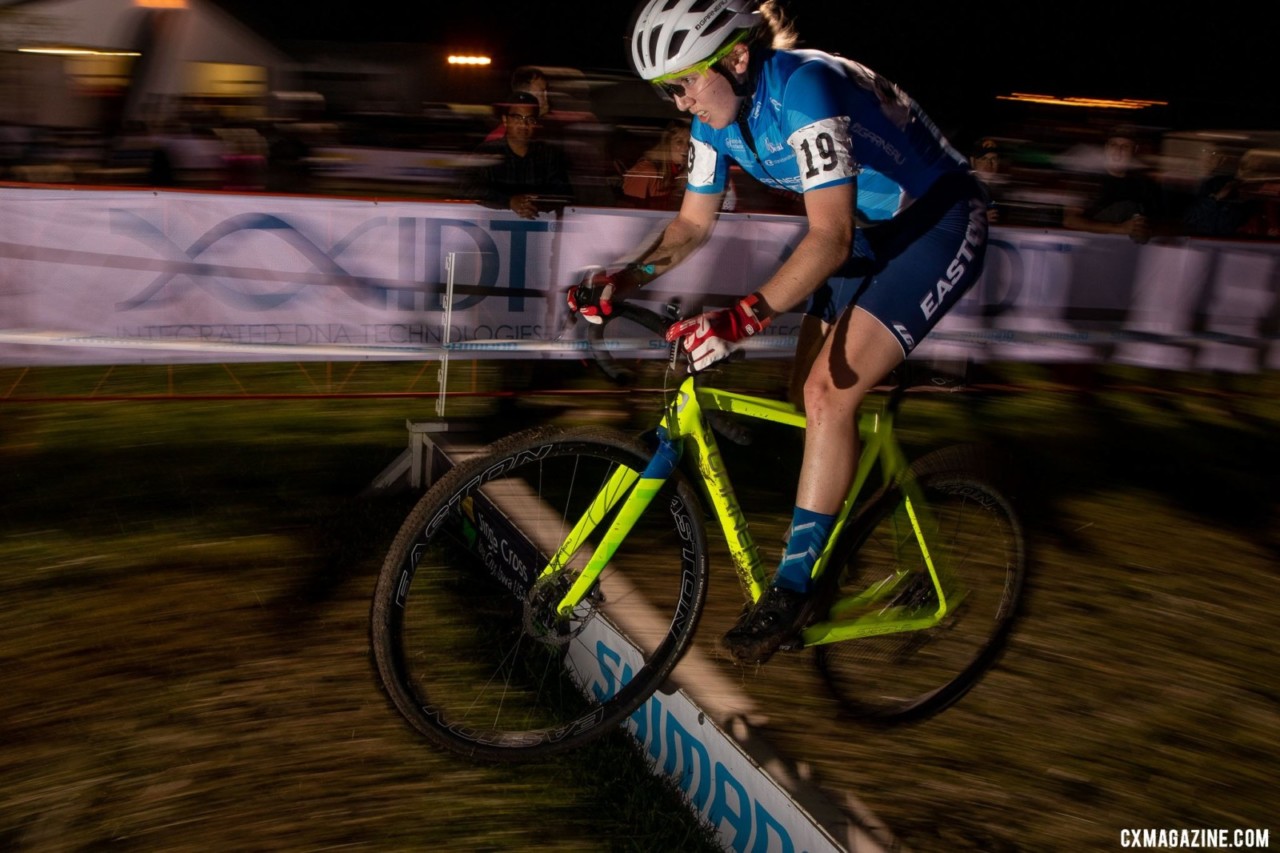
744, 88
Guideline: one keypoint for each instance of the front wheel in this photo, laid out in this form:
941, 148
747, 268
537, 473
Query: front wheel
974, 534
465, 636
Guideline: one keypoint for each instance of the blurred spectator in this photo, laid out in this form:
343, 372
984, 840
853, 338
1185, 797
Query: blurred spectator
1259, 178
528, 174
188, 156
527, 78
244, 158
656, 181
566, 121
1127, 199
990, 163
1218, 208
15, 140
288, 152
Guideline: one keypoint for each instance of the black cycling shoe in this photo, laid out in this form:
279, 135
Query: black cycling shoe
776, 618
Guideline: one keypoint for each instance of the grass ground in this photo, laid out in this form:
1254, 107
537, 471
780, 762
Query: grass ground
186, 665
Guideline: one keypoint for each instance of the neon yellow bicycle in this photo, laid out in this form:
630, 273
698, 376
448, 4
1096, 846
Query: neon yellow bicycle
539, 593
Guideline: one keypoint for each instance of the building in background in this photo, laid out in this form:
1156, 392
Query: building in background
105, 63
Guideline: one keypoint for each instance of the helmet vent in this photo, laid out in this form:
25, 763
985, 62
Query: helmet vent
677, 39
654, 35
672, 36
722, 20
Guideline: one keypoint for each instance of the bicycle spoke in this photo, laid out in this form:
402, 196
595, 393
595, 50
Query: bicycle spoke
977, 542
468, 643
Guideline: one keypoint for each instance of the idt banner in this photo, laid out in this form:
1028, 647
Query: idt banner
257, 278
102, 277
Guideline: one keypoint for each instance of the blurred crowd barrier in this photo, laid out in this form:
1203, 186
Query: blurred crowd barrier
128, 275
1137, 181
1108, 178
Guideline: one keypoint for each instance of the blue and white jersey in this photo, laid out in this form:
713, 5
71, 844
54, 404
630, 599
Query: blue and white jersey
818, 120
879, 198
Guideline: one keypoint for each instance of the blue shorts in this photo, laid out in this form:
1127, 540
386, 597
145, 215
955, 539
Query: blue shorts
909, 271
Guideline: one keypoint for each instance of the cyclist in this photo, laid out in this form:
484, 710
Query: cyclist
872, 283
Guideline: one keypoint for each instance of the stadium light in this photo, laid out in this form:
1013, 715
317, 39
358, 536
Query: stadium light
76, 51
464, 59
1096, 103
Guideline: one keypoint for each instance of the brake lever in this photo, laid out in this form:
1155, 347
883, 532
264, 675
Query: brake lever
572, 316
566, 326
671, 311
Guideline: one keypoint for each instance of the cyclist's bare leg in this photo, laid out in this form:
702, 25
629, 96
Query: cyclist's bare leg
813, 333
858, 352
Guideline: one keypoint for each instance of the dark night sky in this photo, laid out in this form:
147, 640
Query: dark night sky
1208, 60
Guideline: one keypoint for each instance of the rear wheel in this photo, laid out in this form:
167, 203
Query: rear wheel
465, 636
975, 534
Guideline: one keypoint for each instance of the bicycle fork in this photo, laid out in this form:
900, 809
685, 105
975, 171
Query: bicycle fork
638, 489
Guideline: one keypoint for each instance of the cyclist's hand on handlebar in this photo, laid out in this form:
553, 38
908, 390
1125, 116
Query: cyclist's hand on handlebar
592, 298
714, 335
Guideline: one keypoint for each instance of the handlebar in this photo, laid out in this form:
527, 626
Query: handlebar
678, 359
907, 375
646, 318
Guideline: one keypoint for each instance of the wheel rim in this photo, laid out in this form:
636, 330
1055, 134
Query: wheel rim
477, 661
910, 674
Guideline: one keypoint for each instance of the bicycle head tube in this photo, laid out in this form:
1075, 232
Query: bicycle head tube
683, 415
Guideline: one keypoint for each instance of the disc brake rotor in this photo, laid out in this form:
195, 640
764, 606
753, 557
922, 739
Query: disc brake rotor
542, 623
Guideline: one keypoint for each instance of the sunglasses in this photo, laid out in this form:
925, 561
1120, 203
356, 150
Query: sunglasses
680, 84
683, 86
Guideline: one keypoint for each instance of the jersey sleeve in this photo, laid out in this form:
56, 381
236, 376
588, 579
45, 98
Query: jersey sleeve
816, 119
708, 169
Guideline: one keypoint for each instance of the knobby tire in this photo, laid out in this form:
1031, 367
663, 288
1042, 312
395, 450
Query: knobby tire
465, 645
908, 676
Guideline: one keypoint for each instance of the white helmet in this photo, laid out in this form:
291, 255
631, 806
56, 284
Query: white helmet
670, 36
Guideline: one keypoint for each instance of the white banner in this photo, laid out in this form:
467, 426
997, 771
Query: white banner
324, 276
102, 277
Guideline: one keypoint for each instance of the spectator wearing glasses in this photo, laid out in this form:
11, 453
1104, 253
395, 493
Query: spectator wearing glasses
529, 79
527, 174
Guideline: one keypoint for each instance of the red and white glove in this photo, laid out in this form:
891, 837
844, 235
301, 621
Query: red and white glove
713, 336
592, 298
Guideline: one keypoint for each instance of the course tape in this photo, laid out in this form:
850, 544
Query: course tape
654, 347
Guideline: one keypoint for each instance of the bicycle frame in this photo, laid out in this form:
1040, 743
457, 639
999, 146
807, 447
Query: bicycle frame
684, 425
